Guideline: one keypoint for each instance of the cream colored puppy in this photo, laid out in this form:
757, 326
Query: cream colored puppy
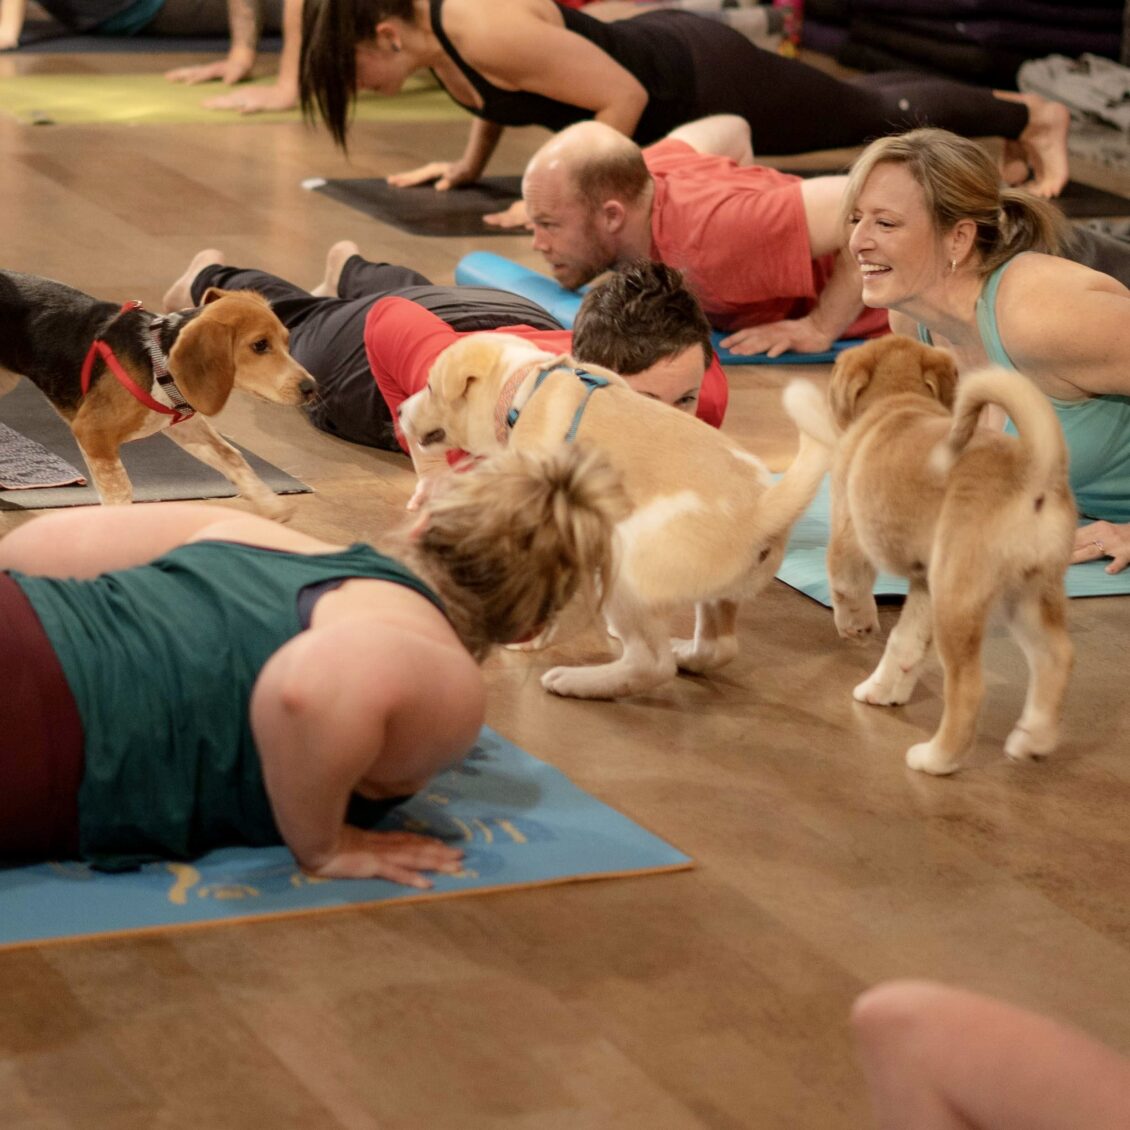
971, 517
708, 524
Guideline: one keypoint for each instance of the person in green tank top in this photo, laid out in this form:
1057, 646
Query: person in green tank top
970, 266
187, 677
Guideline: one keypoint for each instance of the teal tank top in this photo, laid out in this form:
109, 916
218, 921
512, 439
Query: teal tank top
161, 660
1097, 430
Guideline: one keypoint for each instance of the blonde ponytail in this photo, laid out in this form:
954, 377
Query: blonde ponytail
508, 544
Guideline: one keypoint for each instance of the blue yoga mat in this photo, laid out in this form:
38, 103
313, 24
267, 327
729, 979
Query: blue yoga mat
484, 268
520, 822
804, 568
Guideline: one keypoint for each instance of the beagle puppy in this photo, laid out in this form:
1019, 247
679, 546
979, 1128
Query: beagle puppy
118, 373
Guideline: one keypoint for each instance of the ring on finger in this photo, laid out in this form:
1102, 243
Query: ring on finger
1099, 545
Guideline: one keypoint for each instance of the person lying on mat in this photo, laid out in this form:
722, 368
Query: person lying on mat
534, 62
762, 249
246, 24
939, 1058
126, 17
182, 677
963, 264
371, 331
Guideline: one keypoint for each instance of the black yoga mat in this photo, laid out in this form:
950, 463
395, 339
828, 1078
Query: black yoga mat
424, 211
157, 467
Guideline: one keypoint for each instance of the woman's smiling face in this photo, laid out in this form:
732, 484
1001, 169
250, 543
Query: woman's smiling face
893, 241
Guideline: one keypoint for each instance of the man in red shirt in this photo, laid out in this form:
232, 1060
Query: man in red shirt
370, 332
761, 249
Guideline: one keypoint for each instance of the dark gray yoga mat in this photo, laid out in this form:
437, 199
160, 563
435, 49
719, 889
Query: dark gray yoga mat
157, 467
424, 211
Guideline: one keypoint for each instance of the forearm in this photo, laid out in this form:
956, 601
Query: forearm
290, 57
841, 300
244, 23
481, 144
12, 16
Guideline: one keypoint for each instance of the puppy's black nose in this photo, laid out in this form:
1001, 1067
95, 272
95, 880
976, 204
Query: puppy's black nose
308, 387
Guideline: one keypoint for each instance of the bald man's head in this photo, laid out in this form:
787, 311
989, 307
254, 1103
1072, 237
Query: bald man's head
578, 188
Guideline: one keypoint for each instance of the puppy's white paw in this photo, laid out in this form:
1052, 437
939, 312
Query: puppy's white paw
1027, 744
273, 507
699, 659
928, 757
856, 622
577, 682
878, 691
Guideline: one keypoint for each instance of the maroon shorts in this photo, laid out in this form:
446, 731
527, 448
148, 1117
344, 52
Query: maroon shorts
40, 739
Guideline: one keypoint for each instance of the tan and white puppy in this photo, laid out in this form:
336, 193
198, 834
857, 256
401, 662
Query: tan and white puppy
971, 517
708, 524
232, 340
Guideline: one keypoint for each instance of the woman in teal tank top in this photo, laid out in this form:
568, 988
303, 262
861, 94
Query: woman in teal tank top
190, 679
967, 265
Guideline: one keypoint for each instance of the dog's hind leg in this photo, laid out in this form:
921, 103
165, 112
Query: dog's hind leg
894, 680
715, 640
200, 439
852, 579
645, 661
959, 627
1038, 622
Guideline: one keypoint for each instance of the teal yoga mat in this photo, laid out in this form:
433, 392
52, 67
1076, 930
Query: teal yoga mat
804, 569
520, 822
484, 268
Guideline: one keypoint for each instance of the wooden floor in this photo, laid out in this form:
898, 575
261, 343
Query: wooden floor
716, 997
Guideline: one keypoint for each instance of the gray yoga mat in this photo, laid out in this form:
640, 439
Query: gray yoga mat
157, 467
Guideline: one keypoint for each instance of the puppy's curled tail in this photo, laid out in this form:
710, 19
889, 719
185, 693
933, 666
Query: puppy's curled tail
788, 497
1040, 433
509, 543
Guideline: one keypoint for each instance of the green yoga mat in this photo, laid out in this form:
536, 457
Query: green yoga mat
520, 822
77, 99
804, 569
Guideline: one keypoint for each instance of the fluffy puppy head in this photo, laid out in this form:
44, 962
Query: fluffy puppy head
889, 366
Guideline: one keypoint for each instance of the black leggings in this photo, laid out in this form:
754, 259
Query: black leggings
327, 335
792, 107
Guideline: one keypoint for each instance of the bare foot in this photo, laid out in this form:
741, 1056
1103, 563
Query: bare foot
1044, 142
179, 295
336, 258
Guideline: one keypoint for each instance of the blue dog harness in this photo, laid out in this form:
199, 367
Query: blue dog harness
591, 381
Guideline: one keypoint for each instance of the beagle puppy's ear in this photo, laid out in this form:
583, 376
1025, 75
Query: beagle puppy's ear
939, 374
211, 294
202, 362
851, 374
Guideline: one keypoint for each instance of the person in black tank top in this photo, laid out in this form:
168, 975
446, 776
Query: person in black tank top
191, 678
532, 62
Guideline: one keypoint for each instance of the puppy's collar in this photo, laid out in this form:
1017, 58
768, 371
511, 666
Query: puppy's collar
591, 381
161, 374
505, 414
99, 348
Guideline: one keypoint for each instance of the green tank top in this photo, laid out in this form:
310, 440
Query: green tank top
161, 660
1096, 430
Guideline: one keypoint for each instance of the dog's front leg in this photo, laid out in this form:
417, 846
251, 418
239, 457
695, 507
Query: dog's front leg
104, 463
715, 640
645, 661
893, 681
200, 439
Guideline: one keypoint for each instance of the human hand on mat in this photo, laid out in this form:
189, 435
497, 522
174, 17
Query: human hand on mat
515, 216
801, 335
445, 174
256, 99
401, 857
235, 68
1103, 539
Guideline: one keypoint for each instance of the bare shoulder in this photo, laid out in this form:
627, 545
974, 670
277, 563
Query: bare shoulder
474, 21
248, 529
1038, 276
